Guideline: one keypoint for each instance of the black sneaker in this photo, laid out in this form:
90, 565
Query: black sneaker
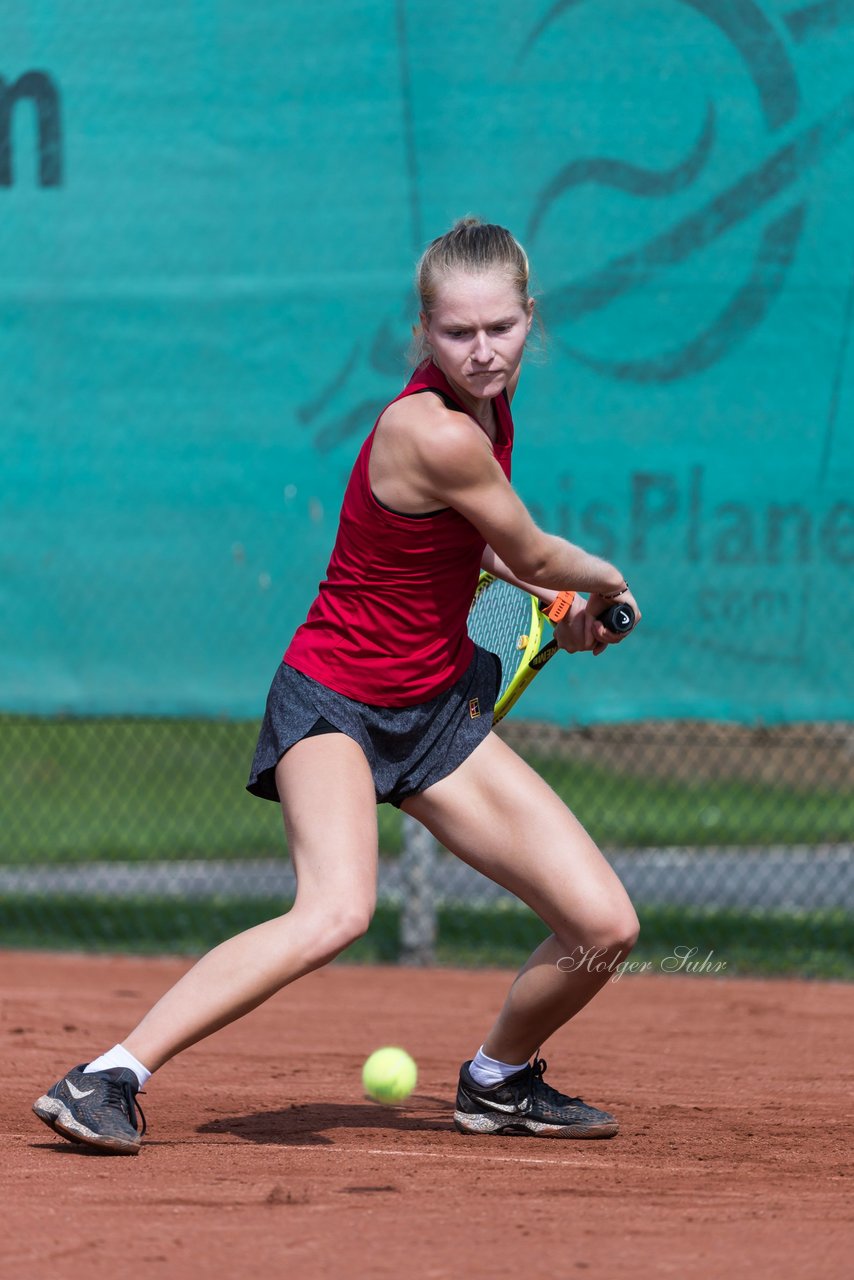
99, 1110
524, 1103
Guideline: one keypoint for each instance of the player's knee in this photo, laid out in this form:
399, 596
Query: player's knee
353, 924
619, 932
342, 926
613, 932
623, 931
627, 930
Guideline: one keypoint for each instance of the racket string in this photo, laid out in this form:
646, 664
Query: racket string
500, 621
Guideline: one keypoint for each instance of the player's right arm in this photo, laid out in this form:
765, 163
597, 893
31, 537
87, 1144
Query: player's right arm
459, 470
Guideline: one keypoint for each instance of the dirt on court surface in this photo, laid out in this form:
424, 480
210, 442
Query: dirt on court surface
264, 1159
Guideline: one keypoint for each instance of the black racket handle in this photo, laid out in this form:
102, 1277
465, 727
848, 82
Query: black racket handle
618, 618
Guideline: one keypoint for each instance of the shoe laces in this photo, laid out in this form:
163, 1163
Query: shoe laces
540, 1089
122, 1094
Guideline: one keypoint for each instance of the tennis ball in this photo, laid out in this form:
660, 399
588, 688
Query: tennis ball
389, 1075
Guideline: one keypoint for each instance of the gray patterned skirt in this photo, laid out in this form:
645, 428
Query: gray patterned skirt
407, 748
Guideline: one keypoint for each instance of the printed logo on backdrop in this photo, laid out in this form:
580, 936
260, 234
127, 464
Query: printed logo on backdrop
37, 90
769, 195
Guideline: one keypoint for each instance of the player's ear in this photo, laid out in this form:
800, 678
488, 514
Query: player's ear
530, 310
421, 330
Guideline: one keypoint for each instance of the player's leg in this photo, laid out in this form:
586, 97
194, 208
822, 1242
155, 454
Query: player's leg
329, 804
499, 816
332, 836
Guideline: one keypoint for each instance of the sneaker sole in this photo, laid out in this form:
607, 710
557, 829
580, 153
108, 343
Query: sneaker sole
486, 1123
56, 1116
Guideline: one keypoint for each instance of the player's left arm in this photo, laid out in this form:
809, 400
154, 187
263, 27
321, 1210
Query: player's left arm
570, 633
493, 564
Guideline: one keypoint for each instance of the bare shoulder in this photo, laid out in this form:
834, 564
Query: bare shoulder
423, 409
440, 440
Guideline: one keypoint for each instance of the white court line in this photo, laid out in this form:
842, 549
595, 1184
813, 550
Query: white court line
445, 1155
474, 1157
334, 1149
479, 1157
654, 1166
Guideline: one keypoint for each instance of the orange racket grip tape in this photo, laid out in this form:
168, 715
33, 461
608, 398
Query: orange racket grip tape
559, 607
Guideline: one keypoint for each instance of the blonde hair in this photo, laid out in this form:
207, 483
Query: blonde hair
473, 247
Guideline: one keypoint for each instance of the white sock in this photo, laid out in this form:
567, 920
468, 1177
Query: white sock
487, 1071
118, 1056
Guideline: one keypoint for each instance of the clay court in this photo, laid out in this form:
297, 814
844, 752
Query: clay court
263, 1157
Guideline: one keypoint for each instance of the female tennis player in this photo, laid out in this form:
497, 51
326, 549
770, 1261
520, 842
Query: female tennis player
382, 696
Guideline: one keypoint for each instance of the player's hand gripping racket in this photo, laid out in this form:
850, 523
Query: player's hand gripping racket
509, 622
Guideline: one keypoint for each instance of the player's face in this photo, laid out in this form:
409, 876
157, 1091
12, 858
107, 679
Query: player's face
477, 332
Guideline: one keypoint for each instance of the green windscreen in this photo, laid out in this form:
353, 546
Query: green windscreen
210, 215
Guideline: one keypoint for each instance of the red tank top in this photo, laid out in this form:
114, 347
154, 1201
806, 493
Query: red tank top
388, 626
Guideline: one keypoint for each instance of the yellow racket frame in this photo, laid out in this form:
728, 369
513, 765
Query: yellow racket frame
534, 654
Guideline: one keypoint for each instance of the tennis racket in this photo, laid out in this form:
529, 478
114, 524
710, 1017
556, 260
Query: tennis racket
510, 623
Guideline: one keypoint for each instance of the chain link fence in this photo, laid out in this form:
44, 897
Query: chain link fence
206, 303
137, 834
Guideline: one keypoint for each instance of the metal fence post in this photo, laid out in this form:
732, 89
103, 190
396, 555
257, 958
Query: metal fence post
418, 889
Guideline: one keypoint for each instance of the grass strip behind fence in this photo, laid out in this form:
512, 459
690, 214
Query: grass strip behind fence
817, 944
157, 790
